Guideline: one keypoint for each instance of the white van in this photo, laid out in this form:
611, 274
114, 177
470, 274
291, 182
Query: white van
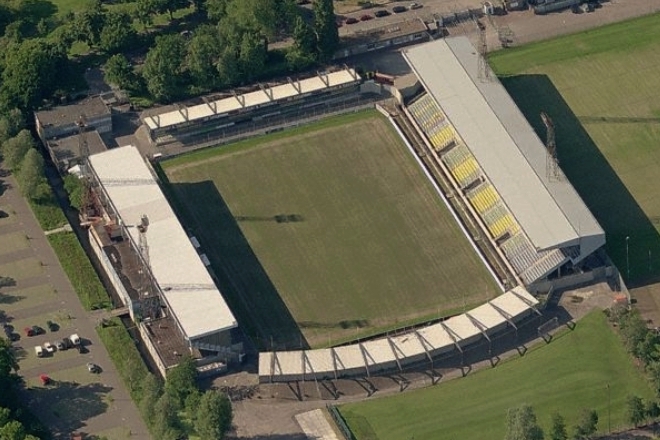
39, 351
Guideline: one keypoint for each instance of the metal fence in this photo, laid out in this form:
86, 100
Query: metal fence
339, 421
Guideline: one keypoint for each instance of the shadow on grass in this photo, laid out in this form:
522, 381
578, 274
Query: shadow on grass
243, 281
593, 177
66, 406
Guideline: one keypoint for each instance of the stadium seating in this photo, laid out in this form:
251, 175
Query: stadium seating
454, 156
432, 121
483, 197
529, 263
466, 172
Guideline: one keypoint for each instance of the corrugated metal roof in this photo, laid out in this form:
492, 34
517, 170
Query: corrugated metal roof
188, 288
508, 150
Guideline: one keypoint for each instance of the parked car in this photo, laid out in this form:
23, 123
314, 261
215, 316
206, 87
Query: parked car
52, 326
39, 351
93, 368
38, 330
50, 348
351, 20
75, 339
399, 9
45, 380
60, 345
414, 6
28, 331
366, 17
381, 13
66, 343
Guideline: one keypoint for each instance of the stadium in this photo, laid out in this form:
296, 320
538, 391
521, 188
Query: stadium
518, 215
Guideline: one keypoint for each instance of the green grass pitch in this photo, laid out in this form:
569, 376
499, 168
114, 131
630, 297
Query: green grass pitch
601, 89
327, 232
571, 373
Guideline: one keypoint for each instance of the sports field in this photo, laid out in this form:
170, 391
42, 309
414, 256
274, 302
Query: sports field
601, 89
327, 233
571, 373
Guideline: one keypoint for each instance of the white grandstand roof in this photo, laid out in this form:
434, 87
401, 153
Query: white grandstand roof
411, 347
508, 150
187, 286
251, 99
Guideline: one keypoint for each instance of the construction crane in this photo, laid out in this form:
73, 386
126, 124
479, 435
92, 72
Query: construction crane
87, 198
149, 301
552, 164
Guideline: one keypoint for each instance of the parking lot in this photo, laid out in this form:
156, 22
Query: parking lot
75, 399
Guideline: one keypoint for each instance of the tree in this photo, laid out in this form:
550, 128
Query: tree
163, 69
303, 37
228, 67
558, 429
15, 149
10, 124
13, 430
89, 23
216, 10
587, 425
166, 420
325, 27
214, 416
31, 176
117, 33
633, 330
253, 55
203, 53
32, 71
5, 416
151, 391
181, 381
652, 410
635, 410
74, 188
258, 16
8, 362
146, 9
521, 424
118, 71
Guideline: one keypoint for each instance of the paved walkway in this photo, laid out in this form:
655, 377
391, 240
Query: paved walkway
316, 425
121, 414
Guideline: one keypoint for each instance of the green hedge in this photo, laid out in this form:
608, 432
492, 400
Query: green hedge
80, 271
124, 355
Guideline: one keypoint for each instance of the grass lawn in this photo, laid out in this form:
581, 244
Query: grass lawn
48, 214
571, 373
332, 226
601, 89
80, 271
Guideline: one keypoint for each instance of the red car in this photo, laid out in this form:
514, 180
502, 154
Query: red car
366, 17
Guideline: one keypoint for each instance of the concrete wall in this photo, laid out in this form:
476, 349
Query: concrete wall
102, 124
152, 350
596, 275
110, 272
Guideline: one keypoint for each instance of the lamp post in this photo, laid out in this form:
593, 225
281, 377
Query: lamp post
627, 259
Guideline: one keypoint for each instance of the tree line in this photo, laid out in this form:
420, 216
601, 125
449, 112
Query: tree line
229, 45
15, 422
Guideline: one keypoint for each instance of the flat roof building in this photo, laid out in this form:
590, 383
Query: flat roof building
183, 281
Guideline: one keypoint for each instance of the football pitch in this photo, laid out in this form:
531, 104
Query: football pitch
601, 88
326, 233
584, 368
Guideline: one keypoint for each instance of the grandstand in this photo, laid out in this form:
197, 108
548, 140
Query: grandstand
216, 118
396, 352
497, 163
180, 295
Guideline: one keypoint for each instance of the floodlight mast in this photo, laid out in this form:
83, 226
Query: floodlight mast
552, 164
